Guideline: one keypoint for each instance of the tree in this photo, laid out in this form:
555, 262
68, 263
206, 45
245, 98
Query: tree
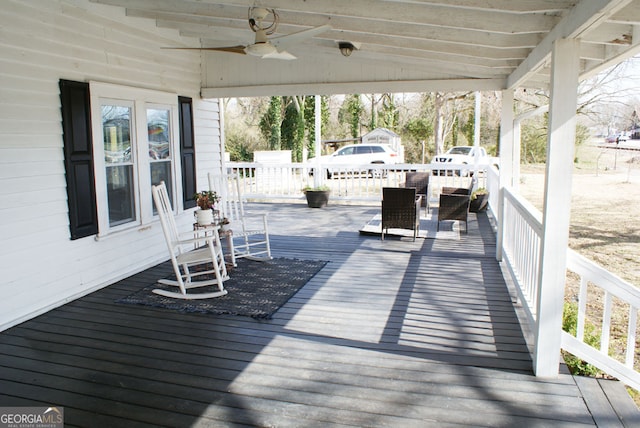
242, 133
310, 119
293, 126
416, 132
271, 122
351, 113
447, 106
374, 99
388, 114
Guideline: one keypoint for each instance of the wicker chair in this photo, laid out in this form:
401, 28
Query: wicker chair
400, 209
419, 180
454, 204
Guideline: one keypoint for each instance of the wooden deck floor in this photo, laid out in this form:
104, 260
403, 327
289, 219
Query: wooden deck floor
391, 333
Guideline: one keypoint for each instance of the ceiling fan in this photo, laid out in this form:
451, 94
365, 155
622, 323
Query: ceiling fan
263, 46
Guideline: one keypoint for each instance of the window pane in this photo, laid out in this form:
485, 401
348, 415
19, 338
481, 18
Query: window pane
158, 132
116, 127
161, 171
120, 194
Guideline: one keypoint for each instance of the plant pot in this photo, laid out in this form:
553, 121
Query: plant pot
479, 203
317, 198
204, 217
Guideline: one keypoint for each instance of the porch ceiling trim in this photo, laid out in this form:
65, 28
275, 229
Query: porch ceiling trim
355, 87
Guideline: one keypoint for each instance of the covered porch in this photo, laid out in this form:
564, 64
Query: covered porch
387, 332
390, 332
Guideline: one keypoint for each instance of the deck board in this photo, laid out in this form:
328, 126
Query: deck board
394, 333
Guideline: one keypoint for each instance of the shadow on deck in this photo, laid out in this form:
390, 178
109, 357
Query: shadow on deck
394, 333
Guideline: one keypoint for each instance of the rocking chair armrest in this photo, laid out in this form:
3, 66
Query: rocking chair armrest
250, 220
258, 214
191, 239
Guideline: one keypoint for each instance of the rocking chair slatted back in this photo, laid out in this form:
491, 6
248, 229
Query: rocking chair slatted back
229, 190
250, 236
165, 212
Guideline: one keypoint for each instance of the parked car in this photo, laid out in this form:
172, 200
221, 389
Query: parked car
357, 155
616, 138
459, 155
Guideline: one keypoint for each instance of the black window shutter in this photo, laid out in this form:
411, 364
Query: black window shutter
78, 158
187, 152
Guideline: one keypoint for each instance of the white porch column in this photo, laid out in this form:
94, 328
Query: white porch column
476, 132
506, 160
557, 205
517, 155
317, 179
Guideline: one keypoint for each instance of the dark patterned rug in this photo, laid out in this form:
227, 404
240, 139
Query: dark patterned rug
255, 289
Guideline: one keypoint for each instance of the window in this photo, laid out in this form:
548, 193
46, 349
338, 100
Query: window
134, 141
346, 151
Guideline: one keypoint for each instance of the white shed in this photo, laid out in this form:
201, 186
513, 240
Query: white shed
385, 136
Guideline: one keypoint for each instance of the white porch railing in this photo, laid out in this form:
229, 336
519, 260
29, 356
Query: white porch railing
521, 249
521, 256
616, 294
348, 183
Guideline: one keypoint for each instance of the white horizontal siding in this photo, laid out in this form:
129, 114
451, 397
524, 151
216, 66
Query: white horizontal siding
207, 116
42, 42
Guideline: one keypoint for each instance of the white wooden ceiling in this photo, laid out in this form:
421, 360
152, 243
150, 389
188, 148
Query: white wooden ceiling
406, 45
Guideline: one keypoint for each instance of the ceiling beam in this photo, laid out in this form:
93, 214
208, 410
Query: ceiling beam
355, 29
438, 15
584, 15
512, 6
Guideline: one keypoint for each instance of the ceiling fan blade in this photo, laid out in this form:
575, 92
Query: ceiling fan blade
293, 38
233, 49
240, 49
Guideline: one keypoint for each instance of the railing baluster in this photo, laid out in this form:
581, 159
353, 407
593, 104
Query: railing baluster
582, 309
606, 324
631, 336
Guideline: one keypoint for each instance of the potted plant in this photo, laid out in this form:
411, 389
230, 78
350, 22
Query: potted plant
479, 200
206, 200
317, 197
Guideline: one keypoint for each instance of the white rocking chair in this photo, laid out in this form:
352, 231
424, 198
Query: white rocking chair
250, 236
183, 255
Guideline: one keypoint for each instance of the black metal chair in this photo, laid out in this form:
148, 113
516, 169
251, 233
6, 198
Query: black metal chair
454, 205
419, 180
400, 209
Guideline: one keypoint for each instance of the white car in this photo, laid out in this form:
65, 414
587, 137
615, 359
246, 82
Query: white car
357, 155
459, 155
616, 138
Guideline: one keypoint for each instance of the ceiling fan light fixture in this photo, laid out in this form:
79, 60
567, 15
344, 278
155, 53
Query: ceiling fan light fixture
260, 49
346, 48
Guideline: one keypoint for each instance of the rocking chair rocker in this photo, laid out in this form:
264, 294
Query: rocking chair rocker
184, 256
